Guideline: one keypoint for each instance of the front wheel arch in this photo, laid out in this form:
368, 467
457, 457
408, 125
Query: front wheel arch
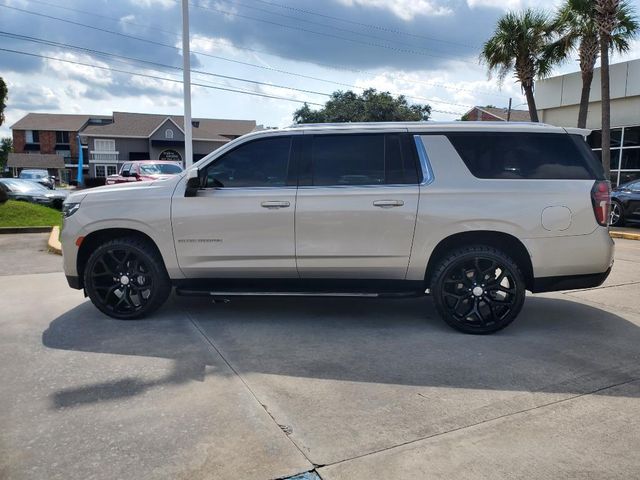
97, 238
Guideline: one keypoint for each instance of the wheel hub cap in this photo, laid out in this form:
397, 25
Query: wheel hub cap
124, 280
477, 291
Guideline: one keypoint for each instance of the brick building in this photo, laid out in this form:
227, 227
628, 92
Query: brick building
48, 141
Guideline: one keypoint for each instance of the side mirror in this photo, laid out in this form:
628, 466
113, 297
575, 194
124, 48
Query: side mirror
193, 184
125, 174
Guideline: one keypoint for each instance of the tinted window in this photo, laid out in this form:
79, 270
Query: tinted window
348, 160
526, 155
261, 163
125, 168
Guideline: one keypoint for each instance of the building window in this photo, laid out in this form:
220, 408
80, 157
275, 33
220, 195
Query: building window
62, 137
102, 145
32, 136
168, 134
625, 153
104, 150
105, 170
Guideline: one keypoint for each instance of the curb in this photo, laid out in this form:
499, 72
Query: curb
625, 235
53, 244
24, 230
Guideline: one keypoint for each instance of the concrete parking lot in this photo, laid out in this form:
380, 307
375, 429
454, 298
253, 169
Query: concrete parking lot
341, 388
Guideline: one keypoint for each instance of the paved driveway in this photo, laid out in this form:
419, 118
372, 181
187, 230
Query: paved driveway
348, 388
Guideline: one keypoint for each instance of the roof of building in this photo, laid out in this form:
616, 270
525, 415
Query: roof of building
53, 121
144, 124
501, 113
35, 160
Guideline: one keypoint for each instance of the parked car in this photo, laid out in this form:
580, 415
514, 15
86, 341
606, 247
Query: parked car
39, 176
144, 170
28, 191
471, 213
625, 203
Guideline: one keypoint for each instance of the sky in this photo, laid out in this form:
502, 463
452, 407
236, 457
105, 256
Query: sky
426, 50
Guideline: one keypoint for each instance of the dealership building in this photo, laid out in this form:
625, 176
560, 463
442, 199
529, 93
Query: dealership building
558, 101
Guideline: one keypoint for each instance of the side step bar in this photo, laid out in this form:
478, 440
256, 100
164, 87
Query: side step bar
184, 292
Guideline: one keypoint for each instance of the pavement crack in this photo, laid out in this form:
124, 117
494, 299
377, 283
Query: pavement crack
286, 429
489, 420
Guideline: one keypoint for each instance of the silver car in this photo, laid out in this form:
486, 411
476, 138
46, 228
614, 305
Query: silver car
28, 191
473, 214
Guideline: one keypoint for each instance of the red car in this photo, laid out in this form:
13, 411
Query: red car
141, 170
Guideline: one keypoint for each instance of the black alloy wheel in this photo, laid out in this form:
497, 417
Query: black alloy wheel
126, 279
616, 217
478, 289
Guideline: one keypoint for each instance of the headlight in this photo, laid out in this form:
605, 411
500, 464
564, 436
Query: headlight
69, 209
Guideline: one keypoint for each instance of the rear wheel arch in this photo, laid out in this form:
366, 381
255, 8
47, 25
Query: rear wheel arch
97, 238
504, 242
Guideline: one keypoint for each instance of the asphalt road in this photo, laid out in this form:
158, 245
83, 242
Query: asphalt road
348, 388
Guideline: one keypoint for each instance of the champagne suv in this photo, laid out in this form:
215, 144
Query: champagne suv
473, 214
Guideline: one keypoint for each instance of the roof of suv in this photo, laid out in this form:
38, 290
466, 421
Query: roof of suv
440, 126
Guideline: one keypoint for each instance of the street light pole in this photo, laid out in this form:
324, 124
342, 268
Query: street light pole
188, 140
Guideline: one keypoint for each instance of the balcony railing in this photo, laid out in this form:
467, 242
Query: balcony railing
103, 156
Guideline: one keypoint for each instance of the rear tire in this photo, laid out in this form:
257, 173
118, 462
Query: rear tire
478, 289
125, 278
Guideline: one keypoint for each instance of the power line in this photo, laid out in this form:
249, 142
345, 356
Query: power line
347, 30
156, 64
368, 25
173, 47
155, 77
334, 67
330, 35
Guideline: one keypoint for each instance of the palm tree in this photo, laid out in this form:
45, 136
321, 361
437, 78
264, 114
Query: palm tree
524, 42
577, 23
608, 23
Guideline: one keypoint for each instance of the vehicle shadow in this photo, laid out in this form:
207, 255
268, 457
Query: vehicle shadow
556, 345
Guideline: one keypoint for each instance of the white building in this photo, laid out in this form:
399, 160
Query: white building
558, 100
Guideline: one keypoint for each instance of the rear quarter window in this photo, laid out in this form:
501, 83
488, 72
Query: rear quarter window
513, 155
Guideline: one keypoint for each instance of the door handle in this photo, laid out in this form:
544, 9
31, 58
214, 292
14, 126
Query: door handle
275, 204
388, 203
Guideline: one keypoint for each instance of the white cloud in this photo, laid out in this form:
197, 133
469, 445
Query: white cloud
405, 9
512, 4
154, 3
96, 76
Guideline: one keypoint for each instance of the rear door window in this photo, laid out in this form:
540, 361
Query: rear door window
362, 159
515, 155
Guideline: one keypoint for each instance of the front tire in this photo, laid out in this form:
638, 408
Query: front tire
478, 289
126, 279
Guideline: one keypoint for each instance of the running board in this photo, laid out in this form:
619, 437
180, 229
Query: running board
184, 292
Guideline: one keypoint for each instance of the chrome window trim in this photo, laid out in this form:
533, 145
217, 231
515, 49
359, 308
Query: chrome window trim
427, 172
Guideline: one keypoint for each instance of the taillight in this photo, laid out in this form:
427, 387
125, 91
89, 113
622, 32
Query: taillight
601, 201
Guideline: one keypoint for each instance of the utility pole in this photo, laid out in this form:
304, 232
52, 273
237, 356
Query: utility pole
509, 111
186, 72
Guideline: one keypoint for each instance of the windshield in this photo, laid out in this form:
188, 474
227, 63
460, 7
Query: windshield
32, 175
23, 187
159, 169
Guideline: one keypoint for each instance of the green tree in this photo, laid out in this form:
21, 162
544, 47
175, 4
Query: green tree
523, 42
370, 106
6, 146
577, 24
4, 93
